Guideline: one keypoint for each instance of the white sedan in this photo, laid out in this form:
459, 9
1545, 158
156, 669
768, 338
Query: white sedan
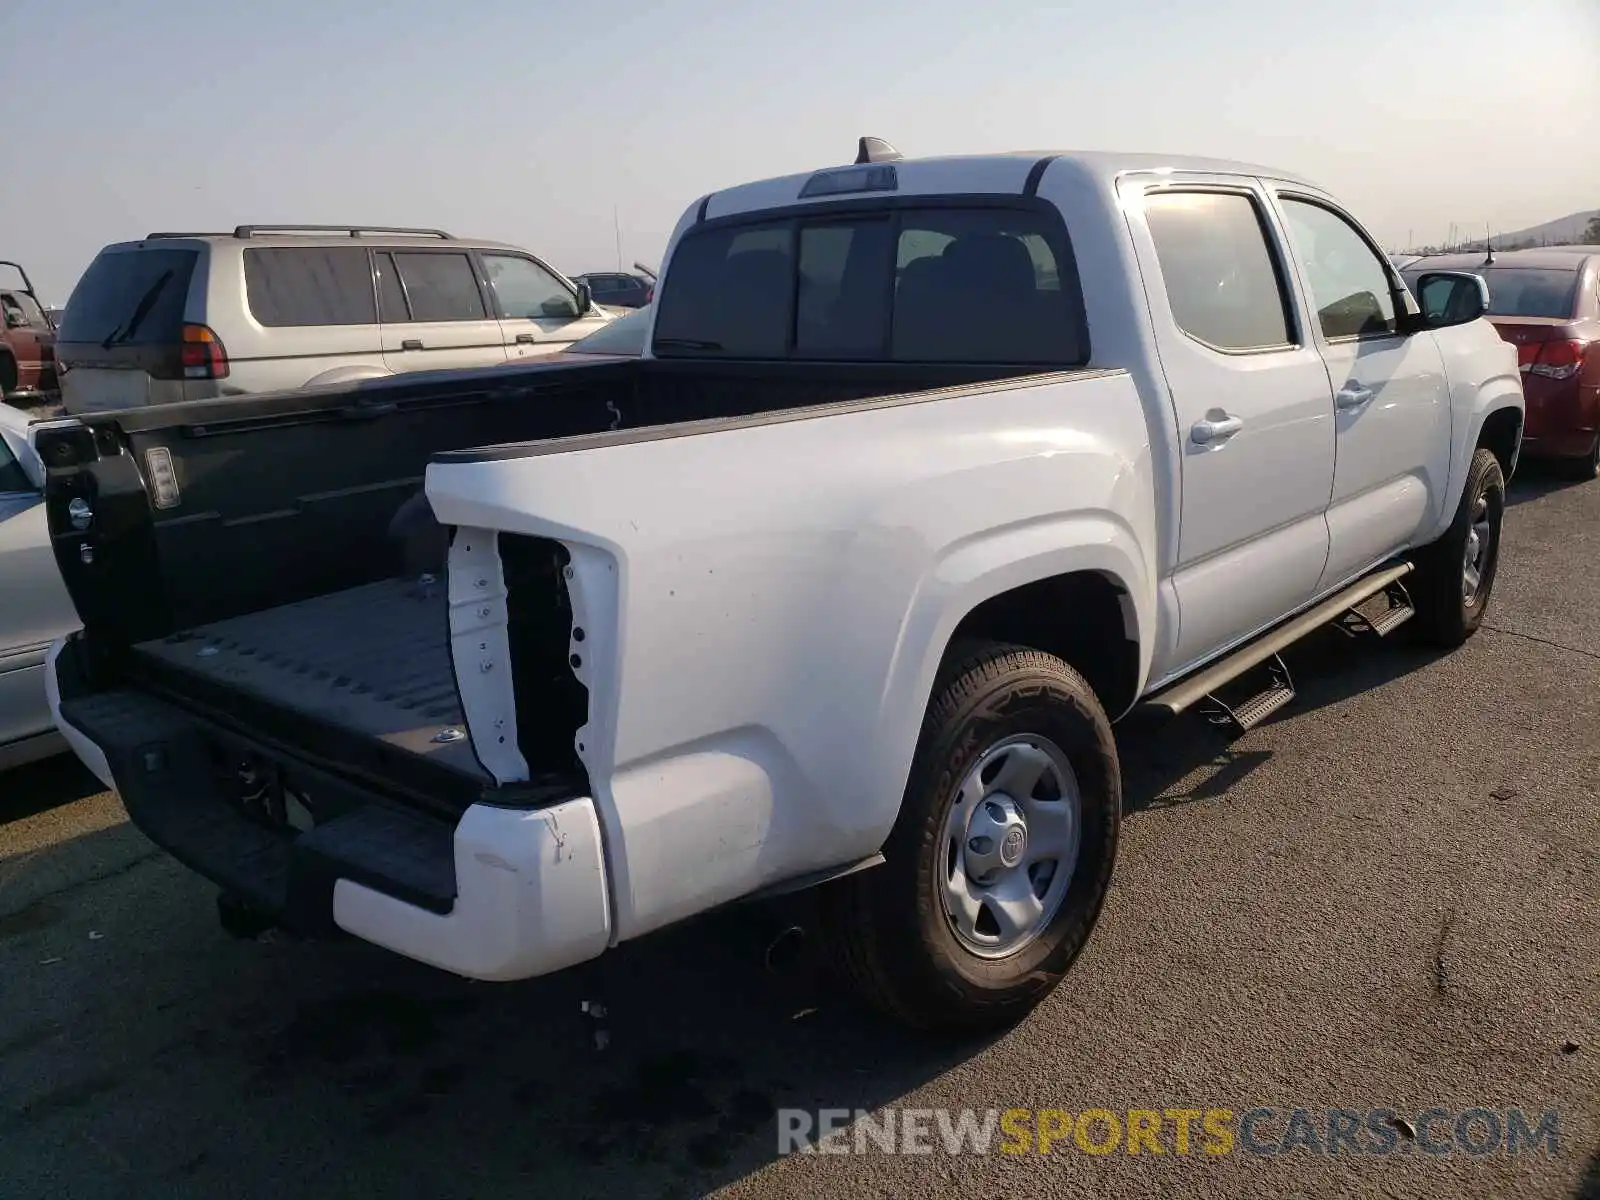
34, 606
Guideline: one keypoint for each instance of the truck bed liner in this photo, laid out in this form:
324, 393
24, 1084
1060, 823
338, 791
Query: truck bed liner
374, 660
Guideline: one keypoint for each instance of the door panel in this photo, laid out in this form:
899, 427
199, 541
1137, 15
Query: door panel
538, 313
1253, 408
36, 611
434, 313
1391, 397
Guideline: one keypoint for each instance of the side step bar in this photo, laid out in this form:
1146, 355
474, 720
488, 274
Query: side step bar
1197, 687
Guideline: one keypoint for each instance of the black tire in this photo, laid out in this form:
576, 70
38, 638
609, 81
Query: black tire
8, 375
888, 928
1446, 616
1585, 468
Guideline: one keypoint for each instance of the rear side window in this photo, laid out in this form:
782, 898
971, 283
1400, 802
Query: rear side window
130, 297
1220, 276
981, 285
310, 286
441, 287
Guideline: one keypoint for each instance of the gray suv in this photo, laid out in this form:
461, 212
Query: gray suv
189, 316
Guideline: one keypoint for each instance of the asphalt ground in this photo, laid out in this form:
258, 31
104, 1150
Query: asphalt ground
1387, 898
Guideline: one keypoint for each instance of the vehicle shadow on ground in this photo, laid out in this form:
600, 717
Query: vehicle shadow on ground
1538, 478
40, 786
1187, 759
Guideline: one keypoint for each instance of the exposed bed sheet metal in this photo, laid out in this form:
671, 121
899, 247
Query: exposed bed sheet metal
373, 659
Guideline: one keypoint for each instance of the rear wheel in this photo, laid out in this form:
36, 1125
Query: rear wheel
1455, 575
999, 862
8, 375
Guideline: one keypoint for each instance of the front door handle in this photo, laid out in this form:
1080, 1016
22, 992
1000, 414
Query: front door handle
526, 339
1353, 395
1211, 429
411, 344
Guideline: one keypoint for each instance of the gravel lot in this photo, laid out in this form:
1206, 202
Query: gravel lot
1385, 898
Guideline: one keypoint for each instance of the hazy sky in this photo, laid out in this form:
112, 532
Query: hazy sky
527, 122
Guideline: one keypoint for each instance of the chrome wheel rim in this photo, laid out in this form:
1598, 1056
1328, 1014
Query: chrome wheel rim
1010, 845
1475, 558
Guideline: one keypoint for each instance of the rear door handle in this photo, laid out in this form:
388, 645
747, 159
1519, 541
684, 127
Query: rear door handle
411, 344
1214, 429
1353, 395
526, 339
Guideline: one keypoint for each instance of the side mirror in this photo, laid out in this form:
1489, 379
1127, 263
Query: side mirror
1452, 298
585, 299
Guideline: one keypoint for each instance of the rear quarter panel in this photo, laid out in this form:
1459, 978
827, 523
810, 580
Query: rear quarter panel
765, 606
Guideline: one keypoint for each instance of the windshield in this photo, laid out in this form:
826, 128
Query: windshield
131, 297
625, 335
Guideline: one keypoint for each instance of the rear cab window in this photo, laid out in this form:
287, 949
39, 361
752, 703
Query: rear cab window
131, 297
947, 283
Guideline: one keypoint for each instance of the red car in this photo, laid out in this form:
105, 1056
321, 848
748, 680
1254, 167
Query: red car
1546, 303
27, 341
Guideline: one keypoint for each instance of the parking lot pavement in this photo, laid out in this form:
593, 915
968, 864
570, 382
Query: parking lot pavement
1384, 899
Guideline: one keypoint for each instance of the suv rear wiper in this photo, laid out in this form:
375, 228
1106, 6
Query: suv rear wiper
688, 343
140, 311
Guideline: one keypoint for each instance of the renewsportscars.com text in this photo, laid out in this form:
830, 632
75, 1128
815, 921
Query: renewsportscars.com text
1379, 1132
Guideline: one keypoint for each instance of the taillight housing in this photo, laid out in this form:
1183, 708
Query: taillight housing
202, 353
1560, 359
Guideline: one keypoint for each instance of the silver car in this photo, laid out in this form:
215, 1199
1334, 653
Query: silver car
34, 606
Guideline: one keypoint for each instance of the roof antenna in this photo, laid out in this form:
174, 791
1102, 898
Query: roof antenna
876, 150
1488, 244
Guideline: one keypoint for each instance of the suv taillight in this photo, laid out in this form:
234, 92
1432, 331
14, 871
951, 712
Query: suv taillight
1558, 360
202, 354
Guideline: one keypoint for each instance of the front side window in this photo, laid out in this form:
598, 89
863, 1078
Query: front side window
526, 290
31, 312
1350, 286
978, 285
441, 287
309, 285
1220, 275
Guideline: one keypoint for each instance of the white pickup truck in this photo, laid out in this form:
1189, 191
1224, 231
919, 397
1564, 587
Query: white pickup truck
930, 471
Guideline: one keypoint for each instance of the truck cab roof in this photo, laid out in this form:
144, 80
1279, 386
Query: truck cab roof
1007, 173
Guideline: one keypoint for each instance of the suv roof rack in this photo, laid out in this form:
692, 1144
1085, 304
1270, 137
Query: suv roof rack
184, 234
245, 231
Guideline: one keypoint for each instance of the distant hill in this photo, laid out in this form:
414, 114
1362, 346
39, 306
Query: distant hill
1566, 231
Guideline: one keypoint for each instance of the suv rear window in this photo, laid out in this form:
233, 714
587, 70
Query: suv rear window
310, 285
978, 285
130, 297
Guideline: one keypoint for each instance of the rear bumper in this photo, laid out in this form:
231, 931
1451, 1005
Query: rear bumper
1562, 417
503, 894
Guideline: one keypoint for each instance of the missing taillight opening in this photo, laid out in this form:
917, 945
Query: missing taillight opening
203, 355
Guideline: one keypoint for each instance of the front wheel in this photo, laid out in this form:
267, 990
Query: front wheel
1455, 575
999, 862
